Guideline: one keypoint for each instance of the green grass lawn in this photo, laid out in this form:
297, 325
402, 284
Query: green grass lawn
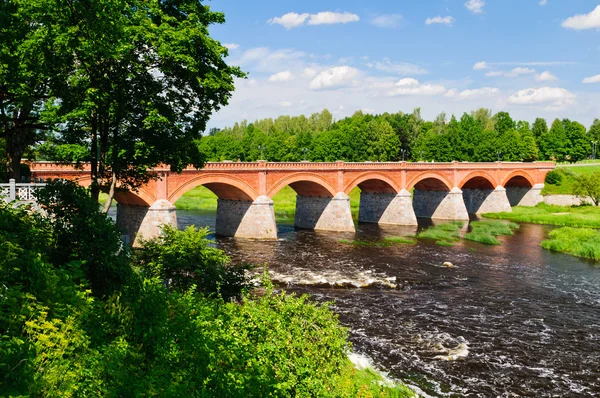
579, 216
201, 198
569, 173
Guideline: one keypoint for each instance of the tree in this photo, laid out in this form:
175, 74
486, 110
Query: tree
145, 77
554, 144
588, 186
540, 128
504, 122
578, 143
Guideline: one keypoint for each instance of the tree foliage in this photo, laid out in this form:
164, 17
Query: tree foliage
588, 186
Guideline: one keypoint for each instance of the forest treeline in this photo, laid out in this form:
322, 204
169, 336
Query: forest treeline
479, 136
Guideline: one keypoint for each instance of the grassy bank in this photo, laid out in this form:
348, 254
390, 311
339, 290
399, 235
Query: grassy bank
201, 198
579, 242
569, 175
442, 234
579, 216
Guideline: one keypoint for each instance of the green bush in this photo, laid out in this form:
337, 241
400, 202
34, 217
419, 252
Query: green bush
580, 242
185, 258
554, 177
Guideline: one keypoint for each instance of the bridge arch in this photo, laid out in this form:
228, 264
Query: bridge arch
305, 184
518, 178
373, 183
478, 180
225, 187
140, 197
429, 182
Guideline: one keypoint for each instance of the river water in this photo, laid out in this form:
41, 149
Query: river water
507, 321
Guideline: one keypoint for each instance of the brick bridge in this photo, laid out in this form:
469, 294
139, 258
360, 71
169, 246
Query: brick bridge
448, 191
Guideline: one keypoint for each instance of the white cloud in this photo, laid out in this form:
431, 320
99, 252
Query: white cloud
289, 20
480, 65
338, 76
309, 72
583, 21
543, 2
387, 21
328, 17
285, 104
449, 21
472, 94
293, 20
553, 97
281, 76
519, 71
409, 86
475, 6
399, 68
592, 79
545, 76
231, 46
263, 59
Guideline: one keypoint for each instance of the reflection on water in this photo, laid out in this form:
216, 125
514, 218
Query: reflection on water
508, 320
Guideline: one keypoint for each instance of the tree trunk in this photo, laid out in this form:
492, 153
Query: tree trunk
94, 187
111, 193
13, 166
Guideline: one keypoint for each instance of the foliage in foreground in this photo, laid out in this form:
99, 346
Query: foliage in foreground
588, 186
579, 242
60, 336
577, 216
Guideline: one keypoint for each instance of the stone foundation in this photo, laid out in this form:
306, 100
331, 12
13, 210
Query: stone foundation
246, 219
524, 196
479, 201
140, 222
442, 205
323, 213
388, 209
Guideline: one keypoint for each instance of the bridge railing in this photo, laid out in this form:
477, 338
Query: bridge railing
20, 192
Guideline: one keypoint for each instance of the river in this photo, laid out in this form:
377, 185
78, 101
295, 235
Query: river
508, 321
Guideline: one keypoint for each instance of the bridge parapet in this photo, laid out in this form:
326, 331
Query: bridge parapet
20, 192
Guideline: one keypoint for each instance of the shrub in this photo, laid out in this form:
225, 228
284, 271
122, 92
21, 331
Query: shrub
580, 242
554, 178
185, 258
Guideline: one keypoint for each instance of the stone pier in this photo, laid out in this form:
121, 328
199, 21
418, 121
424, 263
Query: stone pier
525, 196
141, 222
442, 205
384, 208
324, 213
479, 201
246, 219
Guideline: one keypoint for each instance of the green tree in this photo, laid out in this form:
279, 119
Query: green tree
588, 186
145, 78
554, 144
540, 128
503, 123
578, 142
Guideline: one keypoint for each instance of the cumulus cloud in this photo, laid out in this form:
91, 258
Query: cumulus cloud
309, 72
409, 86
545, 76
231, 46
399, 68
472, 94
583, 21
449, 21
553, 97
338, 76
543, 2
480, 65
293, 20
281, 76
290, 20
387, 21
475, 6
592, 79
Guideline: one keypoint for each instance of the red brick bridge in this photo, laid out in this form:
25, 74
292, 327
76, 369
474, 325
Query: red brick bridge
447, 191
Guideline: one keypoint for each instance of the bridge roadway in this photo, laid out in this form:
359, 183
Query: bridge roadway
445, 191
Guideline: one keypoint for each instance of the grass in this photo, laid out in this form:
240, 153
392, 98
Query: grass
442, 234
579, 242
368, 383
576, 216
402, 240
487, 231
569, 174
201, 198
387, 242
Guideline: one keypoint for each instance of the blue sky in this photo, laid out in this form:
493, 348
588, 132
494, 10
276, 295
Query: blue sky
533, 58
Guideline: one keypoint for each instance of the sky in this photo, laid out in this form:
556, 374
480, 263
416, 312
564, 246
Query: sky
532, 58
